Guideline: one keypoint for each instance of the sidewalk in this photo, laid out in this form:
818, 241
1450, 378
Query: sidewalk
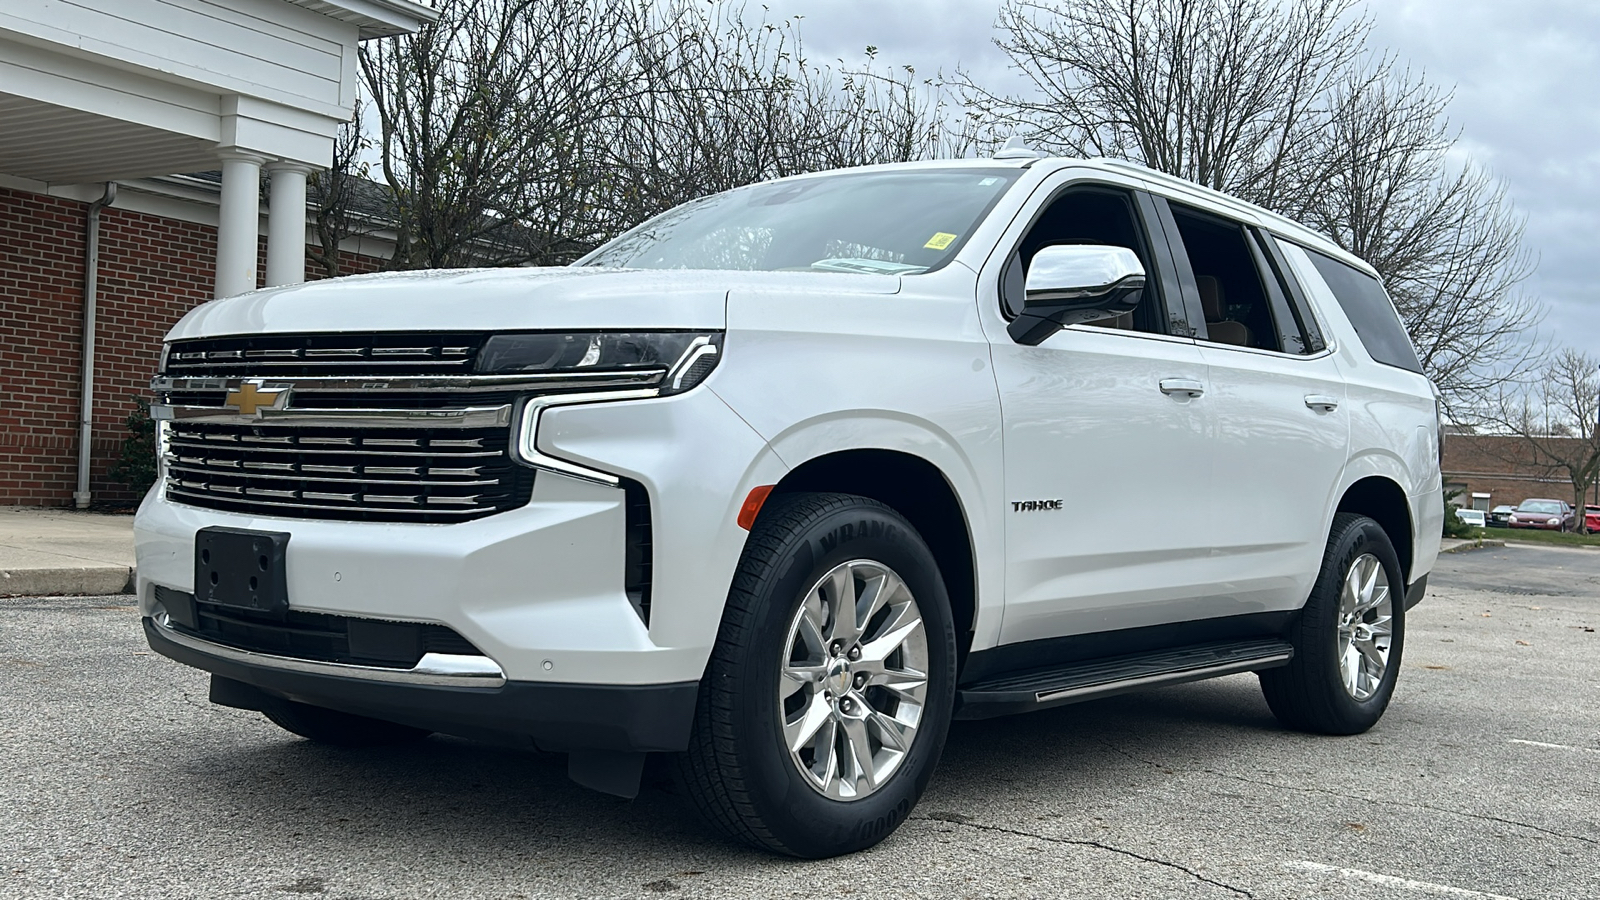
58, 551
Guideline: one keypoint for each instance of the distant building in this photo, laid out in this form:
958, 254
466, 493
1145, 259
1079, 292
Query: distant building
1493, 470
104, 100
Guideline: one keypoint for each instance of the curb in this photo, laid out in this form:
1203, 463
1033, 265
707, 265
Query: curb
1468, 546
76, 580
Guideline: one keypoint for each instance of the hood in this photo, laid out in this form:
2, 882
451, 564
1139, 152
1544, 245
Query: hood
579, 298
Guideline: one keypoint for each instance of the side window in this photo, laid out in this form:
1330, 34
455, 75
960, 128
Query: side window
1304, 317
1089, 215
1228, 274
1371, 312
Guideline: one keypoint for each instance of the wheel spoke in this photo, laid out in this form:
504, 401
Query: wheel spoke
906, 684
892, 733
904, 623
878, 590
1350, 663
799, 732
842, 603
863, 772
797, 677
1382, 626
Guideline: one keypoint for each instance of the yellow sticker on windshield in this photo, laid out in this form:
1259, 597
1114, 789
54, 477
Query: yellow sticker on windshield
939, 241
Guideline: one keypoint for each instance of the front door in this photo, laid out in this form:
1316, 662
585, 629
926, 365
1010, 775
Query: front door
1105, 432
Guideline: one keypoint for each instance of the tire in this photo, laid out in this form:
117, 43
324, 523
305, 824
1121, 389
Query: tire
739, 768
340, 729
1319, 690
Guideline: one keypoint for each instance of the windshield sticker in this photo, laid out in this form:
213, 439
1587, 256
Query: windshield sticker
939, 241
988, 181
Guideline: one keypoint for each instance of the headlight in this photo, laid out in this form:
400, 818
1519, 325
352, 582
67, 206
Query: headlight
1552, 521
684, 358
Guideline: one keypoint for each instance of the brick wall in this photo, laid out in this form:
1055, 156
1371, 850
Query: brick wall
1506, 468
152, 271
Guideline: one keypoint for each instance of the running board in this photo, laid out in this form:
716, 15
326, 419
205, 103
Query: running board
1075, 682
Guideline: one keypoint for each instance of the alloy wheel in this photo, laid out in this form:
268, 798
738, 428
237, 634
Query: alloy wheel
853, 679
1366, 626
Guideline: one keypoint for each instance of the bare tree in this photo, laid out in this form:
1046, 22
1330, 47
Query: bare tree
484, 124
531, 131
1557, 420
333, 194
729, 102
1282, 103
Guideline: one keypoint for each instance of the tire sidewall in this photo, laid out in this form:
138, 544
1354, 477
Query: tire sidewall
804, 820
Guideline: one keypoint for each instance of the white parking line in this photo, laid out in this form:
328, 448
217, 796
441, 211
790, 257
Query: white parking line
1427, 887
1554, 746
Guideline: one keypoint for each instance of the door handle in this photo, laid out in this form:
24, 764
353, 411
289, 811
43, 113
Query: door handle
1322, 402
1187, 387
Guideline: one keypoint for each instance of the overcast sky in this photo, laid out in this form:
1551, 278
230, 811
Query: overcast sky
1527, 101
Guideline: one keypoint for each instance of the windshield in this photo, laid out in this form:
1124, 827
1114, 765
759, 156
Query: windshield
886, 222
1540, 506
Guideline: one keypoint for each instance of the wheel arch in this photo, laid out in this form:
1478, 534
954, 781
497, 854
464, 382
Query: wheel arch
1383, 500
918, 490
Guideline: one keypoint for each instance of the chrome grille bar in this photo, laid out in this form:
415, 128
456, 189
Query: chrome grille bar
420, 384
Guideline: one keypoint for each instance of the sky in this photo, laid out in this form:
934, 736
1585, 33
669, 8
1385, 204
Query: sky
1526, 77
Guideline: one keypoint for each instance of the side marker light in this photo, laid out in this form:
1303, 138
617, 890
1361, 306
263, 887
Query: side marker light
752, 505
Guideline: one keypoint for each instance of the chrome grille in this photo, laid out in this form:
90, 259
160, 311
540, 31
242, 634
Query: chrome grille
360, 474
281, 355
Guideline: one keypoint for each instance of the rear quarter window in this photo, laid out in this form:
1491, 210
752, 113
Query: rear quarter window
1370, 310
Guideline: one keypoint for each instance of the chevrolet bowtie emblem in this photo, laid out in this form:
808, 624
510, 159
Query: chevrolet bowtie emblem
252, 396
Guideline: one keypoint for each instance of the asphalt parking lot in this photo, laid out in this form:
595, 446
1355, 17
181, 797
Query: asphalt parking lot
118, 779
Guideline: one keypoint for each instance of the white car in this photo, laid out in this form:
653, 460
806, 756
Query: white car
784, 480
1475, 517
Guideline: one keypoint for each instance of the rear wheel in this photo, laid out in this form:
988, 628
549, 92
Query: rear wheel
340, 729
828, 695
1349, 638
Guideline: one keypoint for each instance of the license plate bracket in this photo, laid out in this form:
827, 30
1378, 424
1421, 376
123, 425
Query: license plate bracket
241, 568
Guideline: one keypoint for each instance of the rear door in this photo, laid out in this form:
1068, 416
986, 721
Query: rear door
1278, 402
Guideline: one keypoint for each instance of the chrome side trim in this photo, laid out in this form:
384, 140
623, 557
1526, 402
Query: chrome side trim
413, 384
527, 445
1231, 667
471, 417
437, 669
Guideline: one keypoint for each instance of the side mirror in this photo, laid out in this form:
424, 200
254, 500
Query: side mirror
1072, 283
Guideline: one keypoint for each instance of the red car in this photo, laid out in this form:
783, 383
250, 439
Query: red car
1591, 519
1549, 515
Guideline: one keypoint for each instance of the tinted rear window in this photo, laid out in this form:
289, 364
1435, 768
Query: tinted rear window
1370, 311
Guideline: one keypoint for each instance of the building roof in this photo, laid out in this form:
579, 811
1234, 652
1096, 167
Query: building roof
375, 18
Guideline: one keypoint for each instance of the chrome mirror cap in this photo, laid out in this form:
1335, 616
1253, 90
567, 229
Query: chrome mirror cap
1069, 284
1080, 271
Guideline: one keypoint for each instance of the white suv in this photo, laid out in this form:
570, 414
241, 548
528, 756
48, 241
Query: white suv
782, 481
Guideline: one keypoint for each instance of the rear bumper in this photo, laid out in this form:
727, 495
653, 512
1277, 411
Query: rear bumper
553, 716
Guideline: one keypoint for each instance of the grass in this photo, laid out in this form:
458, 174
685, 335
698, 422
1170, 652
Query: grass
1535, 536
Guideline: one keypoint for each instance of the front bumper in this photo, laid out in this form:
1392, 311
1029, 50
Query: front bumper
553, 716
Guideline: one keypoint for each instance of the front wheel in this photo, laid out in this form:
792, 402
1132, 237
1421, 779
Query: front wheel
1348, 641
828, 695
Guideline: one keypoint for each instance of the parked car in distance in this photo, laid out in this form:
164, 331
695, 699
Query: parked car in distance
1474, 517
1591, 519
1500, 516
1547, 515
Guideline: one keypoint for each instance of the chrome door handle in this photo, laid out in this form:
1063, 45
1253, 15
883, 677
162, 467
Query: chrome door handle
1322, 402
1187, 387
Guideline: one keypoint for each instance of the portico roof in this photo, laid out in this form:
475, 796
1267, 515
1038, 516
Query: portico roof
375, 18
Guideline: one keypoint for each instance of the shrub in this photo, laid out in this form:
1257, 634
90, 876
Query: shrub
136, 467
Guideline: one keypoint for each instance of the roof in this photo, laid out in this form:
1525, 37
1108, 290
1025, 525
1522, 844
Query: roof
375, 18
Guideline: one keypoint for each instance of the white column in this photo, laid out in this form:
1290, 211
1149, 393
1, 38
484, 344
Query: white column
286, 223
239, 223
